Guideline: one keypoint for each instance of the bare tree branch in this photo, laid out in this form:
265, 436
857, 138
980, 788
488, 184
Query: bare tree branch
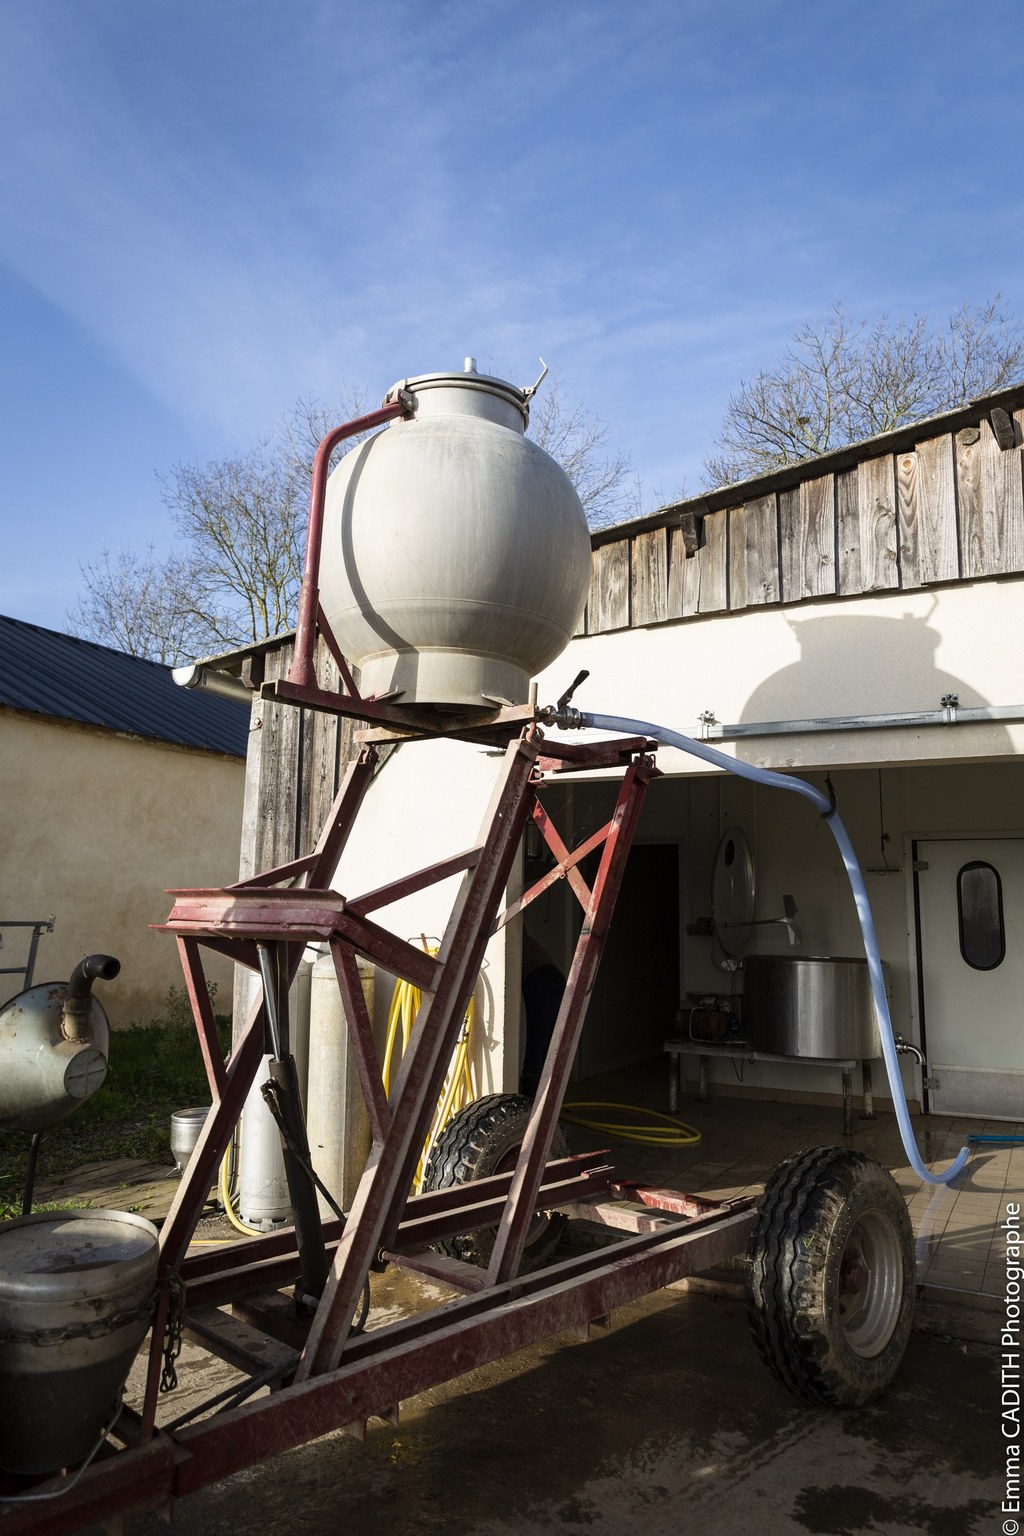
840, 381
139, 604
579, 442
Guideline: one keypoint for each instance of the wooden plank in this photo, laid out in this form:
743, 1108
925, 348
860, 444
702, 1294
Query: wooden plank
678, 557
582, 627
649, 573
926, 514
969, 502
304, 839
753, 554
253, 812
608, 604
866, 498
807, 534
278, 798
1003, 503
331, 746
706, 576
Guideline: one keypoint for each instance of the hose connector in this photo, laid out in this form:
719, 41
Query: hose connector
564, 716
907, 1048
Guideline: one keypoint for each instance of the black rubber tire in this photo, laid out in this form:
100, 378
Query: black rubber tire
832, 1276
482, 1139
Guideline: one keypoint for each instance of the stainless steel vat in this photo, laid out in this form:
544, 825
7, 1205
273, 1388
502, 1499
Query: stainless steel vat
76, 1293
809, 1005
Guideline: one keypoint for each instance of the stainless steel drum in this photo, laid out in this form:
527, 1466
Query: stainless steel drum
809, 1005
76, 1294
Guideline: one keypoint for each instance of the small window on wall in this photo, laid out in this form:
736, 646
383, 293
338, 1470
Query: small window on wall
979, 902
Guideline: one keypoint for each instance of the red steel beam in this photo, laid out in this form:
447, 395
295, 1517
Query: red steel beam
381, 1369
384, 1187
254, 1274
409, 884
202, 1013
513, 1228
360, 1033
129, 1483
282, 1242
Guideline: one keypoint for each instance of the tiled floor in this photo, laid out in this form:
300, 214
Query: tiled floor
960, 1242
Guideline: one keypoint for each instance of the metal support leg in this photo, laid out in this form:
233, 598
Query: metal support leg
847, 1103
282, 1094
517, 1217
702, 1081
869, 1096
384, 1188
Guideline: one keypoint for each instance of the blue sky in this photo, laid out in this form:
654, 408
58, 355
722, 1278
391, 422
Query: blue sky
211, 207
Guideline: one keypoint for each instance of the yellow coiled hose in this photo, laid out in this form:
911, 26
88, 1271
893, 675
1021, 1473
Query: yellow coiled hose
458, 1089
681, 1134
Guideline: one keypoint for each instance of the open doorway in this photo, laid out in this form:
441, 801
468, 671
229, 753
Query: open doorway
633, 1007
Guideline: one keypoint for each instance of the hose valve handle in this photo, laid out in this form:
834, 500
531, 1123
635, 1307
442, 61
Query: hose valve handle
580, 677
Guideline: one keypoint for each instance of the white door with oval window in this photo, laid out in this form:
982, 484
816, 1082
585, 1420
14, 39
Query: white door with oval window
971, 911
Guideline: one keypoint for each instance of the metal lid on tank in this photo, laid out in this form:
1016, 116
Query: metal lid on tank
54, 1242
467, 394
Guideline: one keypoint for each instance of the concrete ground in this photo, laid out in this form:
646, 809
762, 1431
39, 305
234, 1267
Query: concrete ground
667, 1423
670, 1421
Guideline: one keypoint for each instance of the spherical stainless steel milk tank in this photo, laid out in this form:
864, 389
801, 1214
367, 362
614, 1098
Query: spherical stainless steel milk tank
456, 557
809, 1005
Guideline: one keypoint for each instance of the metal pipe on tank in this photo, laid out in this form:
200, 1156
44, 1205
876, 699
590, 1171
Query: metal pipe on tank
76, 1018
301, 670
54, 1043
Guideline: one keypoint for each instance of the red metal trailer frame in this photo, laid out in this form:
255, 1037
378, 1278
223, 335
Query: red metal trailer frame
231, 1299
324, 1375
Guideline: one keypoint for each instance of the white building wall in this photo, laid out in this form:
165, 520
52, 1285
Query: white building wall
889, 652
95, 827
427, 803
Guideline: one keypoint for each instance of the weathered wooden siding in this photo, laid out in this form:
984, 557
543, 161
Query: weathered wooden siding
948, 508
293, 767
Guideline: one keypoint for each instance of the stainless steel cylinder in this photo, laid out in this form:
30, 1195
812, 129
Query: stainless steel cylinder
76, 1293
809, 1005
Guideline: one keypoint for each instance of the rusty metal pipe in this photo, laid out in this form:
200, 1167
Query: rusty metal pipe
302, 670
76, 1018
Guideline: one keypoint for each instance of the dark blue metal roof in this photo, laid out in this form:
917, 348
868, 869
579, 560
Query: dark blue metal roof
46, 673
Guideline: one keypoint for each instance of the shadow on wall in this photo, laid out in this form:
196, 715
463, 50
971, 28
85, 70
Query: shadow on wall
859, 666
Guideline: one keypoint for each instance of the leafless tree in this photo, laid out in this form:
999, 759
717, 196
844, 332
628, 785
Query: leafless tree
140, 604
234, 575
842, 380
580, 442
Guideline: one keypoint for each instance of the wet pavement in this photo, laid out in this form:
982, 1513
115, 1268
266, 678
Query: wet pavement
668, 1423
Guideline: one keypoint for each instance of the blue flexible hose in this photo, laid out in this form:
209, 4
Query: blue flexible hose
824, 805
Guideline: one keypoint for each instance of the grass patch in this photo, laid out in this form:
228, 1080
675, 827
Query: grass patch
154, 1070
